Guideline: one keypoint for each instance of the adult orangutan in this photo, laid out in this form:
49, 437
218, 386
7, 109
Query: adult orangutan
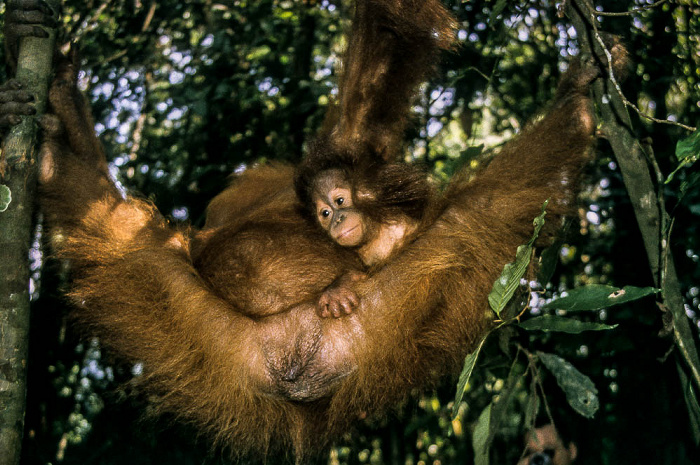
223, 319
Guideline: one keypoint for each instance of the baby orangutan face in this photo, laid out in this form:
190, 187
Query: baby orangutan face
332, 197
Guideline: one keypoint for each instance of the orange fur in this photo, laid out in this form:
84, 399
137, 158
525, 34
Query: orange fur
223, 319
389, 39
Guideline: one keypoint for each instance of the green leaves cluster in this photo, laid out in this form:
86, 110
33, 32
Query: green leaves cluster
580, 391
187, 91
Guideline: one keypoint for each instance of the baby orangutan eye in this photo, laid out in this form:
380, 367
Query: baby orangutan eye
340, 200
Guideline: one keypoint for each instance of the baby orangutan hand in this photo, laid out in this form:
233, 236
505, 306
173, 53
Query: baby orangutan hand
339, 299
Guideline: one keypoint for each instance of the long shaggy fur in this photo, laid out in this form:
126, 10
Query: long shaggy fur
393, 47
223, 319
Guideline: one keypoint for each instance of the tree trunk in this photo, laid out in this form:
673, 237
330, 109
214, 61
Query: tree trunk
18, 173
649, 208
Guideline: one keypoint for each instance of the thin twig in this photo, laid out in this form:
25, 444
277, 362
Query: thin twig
149, 16
632, 11
593, 23
616, 84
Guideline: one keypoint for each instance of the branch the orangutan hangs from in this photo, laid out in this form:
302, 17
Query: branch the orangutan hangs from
229, 321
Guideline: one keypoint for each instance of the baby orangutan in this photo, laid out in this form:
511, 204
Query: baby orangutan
337, 215
374, 209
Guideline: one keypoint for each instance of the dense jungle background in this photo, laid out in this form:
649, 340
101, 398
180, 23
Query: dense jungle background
185, 92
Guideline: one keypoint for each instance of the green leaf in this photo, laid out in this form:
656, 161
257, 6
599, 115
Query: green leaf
689, 147
509, 281
687, 153
497, 10
472, 152
286, 15
690, 184
580, 391
597, 297
531, 409
538, 223
469, 364
5, 197
499, 407
480, 436
562, 324
467, 156
548, 262
258, 52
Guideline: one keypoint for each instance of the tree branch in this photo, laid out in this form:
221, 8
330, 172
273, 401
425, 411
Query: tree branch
648, 205
19, 174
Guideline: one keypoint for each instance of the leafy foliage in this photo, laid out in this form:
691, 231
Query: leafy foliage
508, 283
562, 324
687, 152
462, 384
480, 437
580, 390
187, 91
597, 297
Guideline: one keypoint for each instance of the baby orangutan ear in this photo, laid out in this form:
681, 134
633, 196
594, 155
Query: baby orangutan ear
363, 194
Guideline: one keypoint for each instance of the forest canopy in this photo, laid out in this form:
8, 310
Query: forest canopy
186, 92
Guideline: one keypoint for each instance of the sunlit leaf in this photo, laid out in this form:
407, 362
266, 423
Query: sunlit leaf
562, 324
5, 197
480, 436
580, 391
509, 281
258, 52
286, 15
687, 153
598, 296
469, 364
